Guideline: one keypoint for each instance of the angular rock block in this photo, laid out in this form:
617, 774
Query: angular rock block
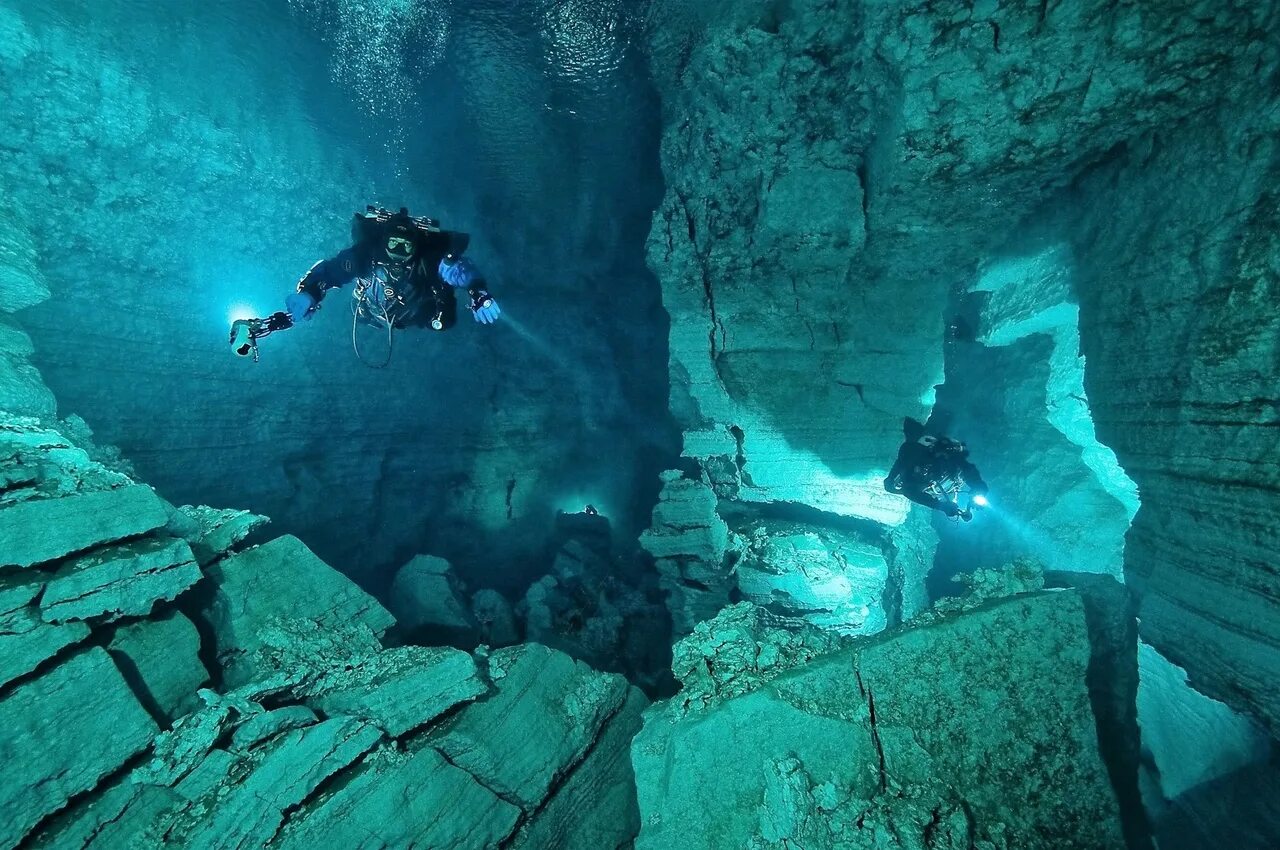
832, 579
688, 539
161, 659
26, 641
976, 725
40, 530
249, 811
596, 806
120, 581
60, 734
401, 801
215, 531
548, 710
280, 579
427, 605
403, 689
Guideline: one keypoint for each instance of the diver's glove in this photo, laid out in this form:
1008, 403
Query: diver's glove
300, 305
483, 307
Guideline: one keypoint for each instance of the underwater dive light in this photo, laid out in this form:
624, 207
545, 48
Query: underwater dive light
980, 500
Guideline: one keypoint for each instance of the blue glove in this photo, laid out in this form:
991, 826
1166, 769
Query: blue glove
486, 310
300, 305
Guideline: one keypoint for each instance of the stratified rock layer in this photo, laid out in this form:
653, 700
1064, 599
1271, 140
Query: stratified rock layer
973, 728
318, 737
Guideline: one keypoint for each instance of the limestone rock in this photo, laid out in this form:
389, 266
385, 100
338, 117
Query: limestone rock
547, 712
280, 579
119, 581
404, 800
160, 657
216, 531
956, 718
1191, 739
25, 639
429, 605
737, 651
595, 807
21, 390
832, 579
402, 689
41, 530
249, 810
688, 539
1240, 810
261, 727
21, 283
496, 620
56, 742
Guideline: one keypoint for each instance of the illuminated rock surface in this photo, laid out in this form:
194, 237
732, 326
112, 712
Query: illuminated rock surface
972, 730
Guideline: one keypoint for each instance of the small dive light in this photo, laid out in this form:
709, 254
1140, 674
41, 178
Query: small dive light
980, 500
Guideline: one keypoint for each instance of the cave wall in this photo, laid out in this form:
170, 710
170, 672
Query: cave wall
1182, 337
156, 205
835, 172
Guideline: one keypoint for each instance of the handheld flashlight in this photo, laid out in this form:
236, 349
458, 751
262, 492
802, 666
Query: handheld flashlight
980, 500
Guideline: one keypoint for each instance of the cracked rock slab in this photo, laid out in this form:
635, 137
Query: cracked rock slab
403, 689
546, 713
397, 800
41, 530
279, 580
57, 741
120, 581
988, 707
161, 658
250, 812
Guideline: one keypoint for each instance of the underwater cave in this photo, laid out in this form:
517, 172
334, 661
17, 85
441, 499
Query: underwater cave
639, 423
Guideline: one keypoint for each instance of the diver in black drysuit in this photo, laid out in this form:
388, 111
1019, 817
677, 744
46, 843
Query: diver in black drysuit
940, 463
406, 270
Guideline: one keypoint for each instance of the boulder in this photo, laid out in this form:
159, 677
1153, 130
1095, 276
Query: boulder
214, 532
429, 604
160, 658
833, 579
547, 712
281, 579
25, 639
403, 800
596, 806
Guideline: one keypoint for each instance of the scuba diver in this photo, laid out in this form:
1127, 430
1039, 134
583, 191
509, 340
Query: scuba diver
406, 270
932, 471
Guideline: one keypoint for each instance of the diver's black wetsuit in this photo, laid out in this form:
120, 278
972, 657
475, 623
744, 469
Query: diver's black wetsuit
919, 466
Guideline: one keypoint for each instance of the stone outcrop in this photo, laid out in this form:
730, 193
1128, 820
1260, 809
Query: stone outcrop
920, 737
312, 733
430, 605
